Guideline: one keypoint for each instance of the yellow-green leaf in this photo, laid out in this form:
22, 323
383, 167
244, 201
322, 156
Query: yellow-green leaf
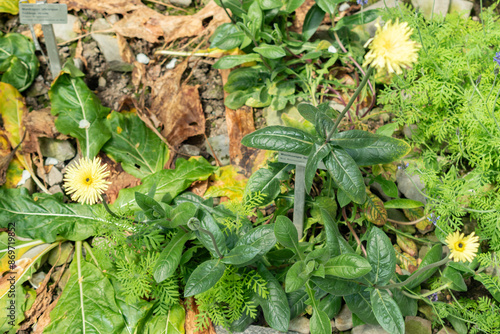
407, 245
12, 111
374, 210
9, 6
227, 182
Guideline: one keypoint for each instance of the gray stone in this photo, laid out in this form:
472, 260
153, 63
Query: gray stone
62, 150
142, 58
251, 330
299, 325
369, 329
65, 32
181, 3
446, 330
461, 6
431, 8
370, 27
108, 44
54, 176
101, 82
343, 320
71, 163
37, 278
407, 183
51, 161
55, 189
78, 63
189, 150
220, 145
417, 325
56, 260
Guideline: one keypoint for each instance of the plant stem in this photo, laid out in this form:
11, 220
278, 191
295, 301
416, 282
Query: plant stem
89, 250
78, 246
213, 241
410, 236
407, 223
369, 72
353, 232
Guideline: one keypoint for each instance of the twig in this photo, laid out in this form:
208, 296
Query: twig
407, 223
217, 161
353, 232
85, 35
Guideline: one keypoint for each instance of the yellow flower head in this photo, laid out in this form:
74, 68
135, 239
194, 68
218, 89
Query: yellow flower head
462, 248
85, 180
391, 49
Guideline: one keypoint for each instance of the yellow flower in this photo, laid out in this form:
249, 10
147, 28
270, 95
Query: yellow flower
85, 180
462, 248
391, 49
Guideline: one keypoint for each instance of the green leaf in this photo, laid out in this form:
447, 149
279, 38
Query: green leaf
312, 21
292, 5
270, 51
454, 277
354, 139
374, 210
18, 62
152, 209
226, 37
297, 302
347, 266
181, 214
205, 276
492, 283
228, 62
208, 223
403, 203
388, 187
294, 280
267, 181
95, 310
139, 150
240, 255
280, 138
270, 4
343, 198
275, 306
387, 129
169, 182
383, 151
286, 233
323, 124
330, 305
334, 240
318, 153
387, 312
171, 323
337, 286
9, 6
346, 174
75, 104
432, 256
381, 256
328, 5
244, 78
255, 17
308, 111
357, 19
320, 323
169, 258
261, 237
44, 217
407, 305
359, 304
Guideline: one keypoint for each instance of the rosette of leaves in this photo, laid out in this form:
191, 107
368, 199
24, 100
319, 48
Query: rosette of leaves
18, 62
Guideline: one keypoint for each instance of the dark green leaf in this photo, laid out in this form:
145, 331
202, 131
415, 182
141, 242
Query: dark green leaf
337, 286
286, 233
18, 61
387, 312
354, 139
227, 62
343, 198
266, 181
205, 276
241, 254
270, 4
297, 302
346, 174
454, 277
407, 305
226, 37
347, 266
330, 305
320, 323
244, 78
388, 187
280, 138
237, 99
292, 5
328, 5
210, 224
334, 240
381, 256
383, 151
308, 111
403, 203
318, 153
432, 256
294, 280
357, 19
359, 304
261, 237
181, 214
312, 21
170, 257
323, 124
152, 209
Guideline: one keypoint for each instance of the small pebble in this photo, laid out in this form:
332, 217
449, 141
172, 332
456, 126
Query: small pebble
51, 161
24, 177
344, 6
171, 64
332, 49
142, 58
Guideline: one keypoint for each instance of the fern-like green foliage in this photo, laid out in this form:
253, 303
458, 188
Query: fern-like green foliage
230, 298
481, 316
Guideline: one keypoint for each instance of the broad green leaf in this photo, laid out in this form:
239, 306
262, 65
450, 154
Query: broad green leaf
244, 78
343, 198
151, 208
347, 266
12, 112
381, 256
374, 210
261, 237
292, 5
330, 305
383, 151
267, 181
270, 4
354, 139
346, 174
232, 61
93, 311
226, 37
323, 124
255, 17
18, 62
286, 233
408, 306
170, 257
169, 182
280, 138
240, 255
492, 283
13, 314
297, 302
403, 203
454, 277
357, 19
312, 21
79, 113
320, 323
171, 323
294, 278
387, 312
389, 187
205, 276
238, 98
275, 306
337, 286
139, 150
387, 129
318, 153
208, 223
44, 216
181, 214
308, 111
270, 51
359, 304
9, 6
334, 240
432, 256
328, 5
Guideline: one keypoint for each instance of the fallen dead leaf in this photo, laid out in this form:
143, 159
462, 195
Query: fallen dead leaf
190, 324
100, 6
40, 123
118, 177
125, 50
79, 53
199, 187
38, 32
151, 25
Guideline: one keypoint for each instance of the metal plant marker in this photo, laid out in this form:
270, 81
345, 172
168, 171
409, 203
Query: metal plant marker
47, 15
300, 162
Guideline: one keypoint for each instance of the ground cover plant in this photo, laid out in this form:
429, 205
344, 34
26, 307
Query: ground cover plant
141, 227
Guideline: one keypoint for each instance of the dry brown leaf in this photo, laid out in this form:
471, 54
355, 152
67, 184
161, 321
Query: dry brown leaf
190, 324
119, 179
79, 53
151, 25
125, 50
199, 187
103, 6
40, 123
38, 32
177, 106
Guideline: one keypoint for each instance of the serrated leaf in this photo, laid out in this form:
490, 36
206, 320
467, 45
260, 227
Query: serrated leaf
205, 276
346, 174
18, 62
381, 257
139, 150
275, 306
403, 203
74, 104
347, 266
491, 283
280, 138
382, 151
169, 258
374, 210
387, 312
